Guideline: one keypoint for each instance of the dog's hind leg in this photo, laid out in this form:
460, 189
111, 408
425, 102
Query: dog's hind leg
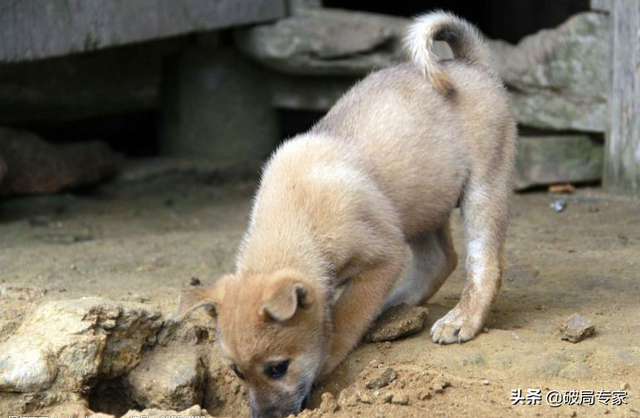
433, 260
485, 212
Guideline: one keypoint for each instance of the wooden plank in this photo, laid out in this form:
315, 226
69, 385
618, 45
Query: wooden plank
622, 160
33, 29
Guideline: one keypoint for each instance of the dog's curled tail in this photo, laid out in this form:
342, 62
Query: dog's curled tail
463, 38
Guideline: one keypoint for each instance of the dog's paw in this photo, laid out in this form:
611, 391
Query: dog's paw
455, 327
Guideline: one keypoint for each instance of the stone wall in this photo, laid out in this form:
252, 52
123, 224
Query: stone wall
304, 61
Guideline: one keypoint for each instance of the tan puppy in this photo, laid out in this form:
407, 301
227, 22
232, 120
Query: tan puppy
339, 204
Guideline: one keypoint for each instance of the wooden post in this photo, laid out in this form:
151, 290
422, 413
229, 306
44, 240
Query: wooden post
622, 160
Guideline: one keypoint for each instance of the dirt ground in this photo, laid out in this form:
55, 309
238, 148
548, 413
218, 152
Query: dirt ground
145, 241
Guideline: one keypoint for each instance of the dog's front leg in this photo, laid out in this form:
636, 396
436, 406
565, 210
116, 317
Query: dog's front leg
358, 306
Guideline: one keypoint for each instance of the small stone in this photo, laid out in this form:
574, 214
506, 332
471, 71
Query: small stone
626, 386
400, 399
195, 281
576, 328
439, 385
424, 395
352, 400
328, 403
366, 398
387, 397
397, 322
388, 376
486, 382
558, 205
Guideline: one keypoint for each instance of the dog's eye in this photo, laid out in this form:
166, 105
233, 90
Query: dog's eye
277, 370
237, 372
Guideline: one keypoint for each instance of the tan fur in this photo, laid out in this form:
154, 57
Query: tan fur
338, 205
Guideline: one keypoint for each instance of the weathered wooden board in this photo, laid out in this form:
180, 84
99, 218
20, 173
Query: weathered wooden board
622, 161
33, 29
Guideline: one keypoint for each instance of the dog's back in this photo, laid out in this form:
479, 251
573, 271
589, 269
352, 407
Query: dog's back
424, 124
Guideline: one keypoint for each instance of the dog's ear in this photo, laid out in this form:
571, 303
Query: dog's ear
201, 297
285, 293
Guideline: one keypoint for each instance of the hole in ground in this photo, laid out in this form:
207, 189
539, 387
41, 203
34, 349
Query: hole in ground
112, 397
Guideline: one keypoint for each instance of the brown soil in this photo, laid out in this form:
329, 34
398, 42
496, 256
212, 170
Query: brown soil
147, 242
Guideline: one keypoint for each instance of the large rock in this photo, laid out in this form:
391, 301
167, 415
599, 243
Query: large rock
64, 346
326, 41
35, 166
560, 76
218, 109
73, 26
559, 111
572, 58
543, 160
170, 378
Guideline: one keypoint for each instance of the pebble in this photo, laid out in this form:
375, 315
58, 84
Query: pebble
388, 376
366, 398
576, 328
439, 385
559, 205
400, 399
328, 403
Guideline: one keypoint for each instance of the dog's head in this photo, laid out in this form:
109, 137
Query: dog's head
273, 331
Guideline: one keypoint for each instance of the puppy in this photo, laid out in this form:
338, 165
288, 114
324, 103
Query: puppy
338, 205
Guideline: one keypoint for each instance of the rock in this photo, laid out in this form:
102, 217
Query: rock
328, 404
558, 111
218, 110
560, 74
400, 399
571, 58
600, 5
440, 384
157, 413
67, 345
576, 328
35, 166
543, 160
168, 378
558, 205
399, 321
74, 27
366, 398
326, 41
388, 376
